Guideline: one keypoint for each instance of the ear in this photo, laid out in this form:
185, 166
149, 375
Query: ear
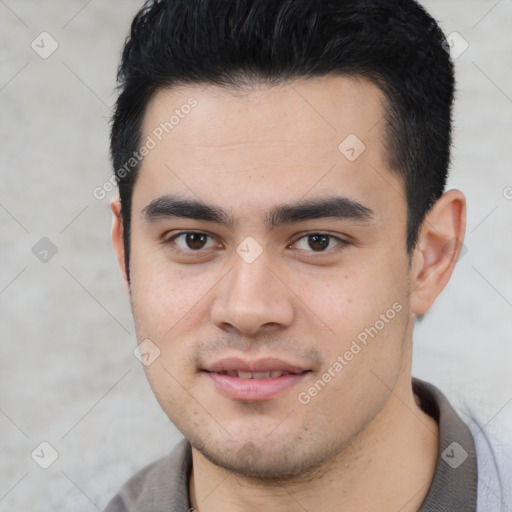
439, 245
118, 240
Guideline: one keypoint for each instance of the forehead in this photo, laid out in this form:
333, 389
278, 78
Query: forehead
307, 112
260, 143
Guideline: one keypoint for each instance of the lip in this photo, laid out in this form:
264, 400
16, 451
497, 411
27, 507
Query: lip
238, 388
254, 389
258, 365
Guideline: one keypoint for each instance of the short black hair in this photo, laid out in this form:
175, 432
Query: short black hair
231, 43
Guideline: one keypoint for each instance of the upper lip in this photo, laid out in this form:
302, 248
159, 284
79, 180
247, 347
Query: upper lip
266, 364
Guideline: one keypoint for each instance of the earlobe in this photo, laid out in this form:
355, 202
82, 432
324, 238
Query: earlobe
439, 245
118, 240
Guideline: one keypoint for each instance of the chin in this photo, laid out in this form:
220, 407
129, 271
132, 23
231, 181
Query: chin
271, 462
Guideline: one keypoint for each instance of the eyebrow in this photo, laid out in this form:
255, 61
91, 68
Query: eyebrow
343, 208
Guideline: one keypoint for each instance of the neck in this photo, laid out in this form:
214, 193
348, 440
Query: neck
389, 466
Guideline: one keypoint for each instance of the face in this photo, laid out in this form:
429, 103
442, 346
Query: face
268, 266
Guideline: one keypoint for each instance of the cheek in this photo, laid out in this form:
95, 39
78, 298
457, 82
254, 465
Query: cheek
367, 315
170, 308
163, 298
350, 301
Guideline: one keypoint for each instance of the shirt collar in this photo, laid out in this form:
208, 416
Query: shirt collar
455, 482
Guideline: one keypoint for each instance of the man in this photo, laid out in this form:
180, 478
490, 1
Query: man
282, 221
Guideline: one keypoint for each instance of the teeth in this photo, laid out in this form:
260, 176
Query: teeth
260, 375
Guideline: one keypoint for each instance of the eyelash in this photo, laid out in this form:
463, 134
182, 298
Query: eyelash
169, 242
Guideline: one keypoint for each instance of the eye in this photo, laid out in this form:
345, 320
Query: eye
318, 242
190, 241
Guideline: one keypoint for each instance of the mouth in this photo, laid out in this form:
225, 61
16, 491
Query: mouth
273, 374
263, 379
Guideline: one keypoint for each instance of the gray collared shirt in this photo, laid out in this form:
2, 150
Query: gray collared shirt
163, 485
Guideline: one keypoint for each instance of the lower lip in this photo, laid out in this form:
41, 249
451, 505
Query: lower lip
238, 388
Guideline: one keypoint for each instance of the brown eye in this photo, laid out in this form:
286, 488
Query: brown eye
196, 241
318, 242
190, 241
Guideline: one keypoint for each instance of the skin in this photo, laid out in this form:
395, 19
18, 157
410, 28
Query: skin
362, 443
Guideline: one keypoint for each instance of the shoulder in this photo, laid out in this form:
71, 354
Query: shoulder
491, 440
494, 455
160, 486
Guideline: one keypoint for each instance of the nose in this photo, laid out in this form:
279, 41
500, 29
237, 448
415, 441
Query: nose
252, 300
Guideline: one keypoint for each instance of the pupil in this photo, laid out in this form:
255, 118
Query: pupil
196, 240
318, 242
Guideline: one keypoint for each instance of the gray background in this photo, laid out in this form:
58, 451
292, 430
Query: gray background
67, 372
